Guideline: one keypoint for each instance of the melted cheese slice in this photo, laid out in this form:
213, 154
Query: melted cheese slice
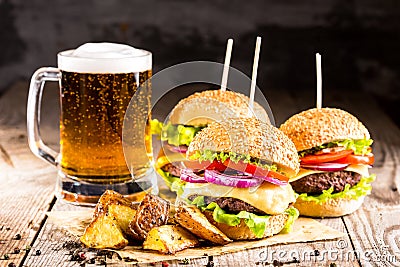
272, 199
361, 169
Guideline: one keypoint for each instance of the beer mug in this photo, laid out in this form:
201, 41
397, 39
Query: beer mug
97, 82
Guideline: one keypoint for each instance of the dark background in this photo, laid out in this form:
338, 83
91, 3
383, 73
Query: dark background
359, 40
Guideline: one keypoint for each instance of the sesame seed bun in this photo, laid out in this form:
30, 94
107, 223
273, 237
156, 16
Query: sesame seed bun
242, 231
333, 207
248, 136
214, 105
315, 127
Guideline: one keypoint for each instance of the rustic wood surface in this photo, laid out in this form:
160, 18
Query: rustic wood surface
27, 192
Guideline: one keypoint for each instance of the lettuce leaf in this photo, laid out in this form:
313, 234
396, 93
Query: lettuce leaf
362, 188
316, 149
359, 146
168, 178
256, 223
178, 186
199, 202
155, 127
293, 215
222, 156
176, 135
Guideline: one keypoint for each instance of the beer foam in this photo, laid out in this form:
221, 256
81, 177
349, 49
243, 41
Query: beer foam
105, 58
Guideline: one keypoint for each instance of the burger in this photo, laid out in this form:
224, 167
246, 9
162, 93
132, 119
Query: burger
242, 186
188, 117
335, 154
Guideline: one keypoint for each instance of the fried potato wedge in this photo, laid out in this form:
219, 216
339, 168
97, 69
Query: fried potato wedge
169, 239
124, 215
104, 232
191, 218
108, 198
153, 211
121, 208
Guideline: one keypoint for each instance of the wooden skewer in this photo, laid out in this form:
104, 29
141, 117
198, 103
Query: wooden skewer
225, 72
254, 74
319, 80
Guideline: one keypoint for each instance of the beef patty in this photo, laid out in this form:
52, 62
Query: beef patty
313, 184
235, 205
230, 205
172, 169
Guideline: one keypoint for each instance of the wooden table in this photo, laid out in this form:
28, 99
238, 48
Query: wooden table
27, 192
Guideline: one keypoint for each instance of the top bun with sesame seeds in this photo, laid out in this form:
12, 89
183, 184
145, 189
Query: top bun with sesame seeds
248, 136
204, 107
315, 127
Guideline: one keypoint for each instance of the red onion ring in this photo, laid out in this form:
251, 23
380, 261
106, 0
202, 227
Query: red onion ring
271, 180
177, 149
188, 175
218, 178
327, 167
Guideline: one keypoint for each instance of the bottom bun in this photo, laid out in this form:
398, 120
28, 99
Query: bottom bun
243, 232
333, 207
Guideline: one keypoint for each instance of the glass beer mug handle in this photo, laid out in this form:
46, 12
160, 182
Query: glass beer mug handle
33, 112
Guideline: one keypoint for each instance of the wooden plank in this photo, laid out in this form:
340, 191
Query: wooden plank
26, 193
307, 254
27, 190
376, 235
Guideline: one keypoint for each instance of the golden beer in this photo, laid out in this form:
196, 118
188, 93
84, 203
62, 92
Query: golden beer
99, 83
93, 107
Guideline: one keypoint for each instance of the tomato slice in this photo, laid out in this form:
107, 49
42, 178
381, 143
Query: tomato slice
196, 165
326, 157
254, 170
357, 159
216, 165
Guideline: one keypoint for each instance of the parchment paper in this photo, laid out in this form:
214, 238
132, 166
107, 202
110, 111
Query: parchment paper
304, 230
